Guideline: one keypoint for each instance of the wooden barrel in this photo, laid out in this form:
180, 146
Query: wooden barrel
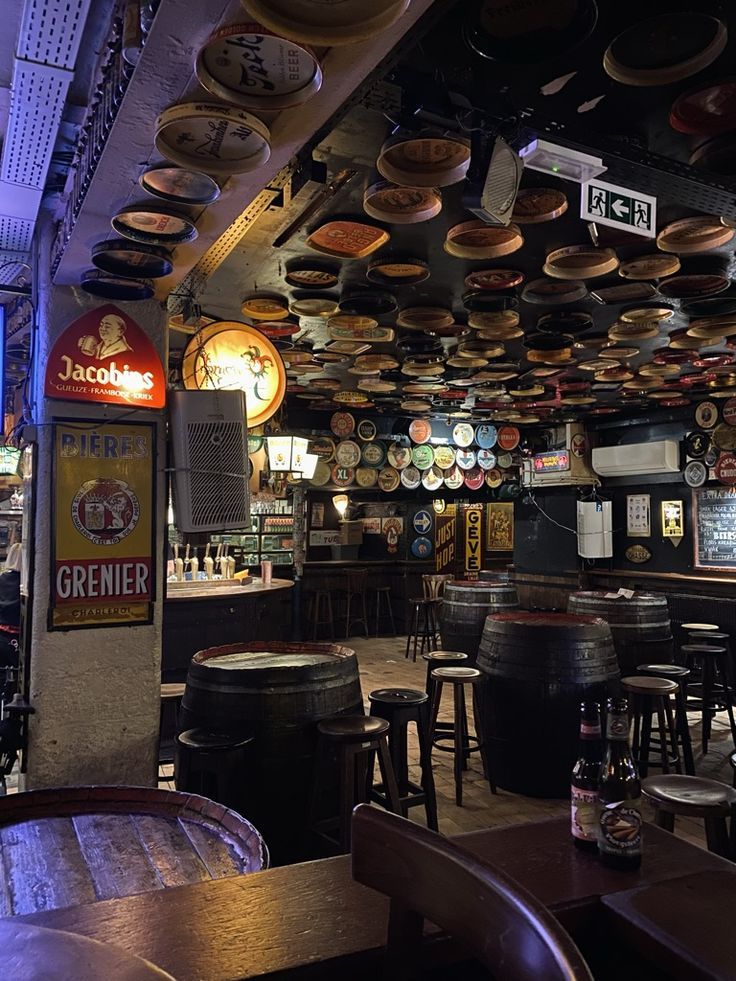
75, 845
278, 692
465, 606
640, 626
538, 667
494, 575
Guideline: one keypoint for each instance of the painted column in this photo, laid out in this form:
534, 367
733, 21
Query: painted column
95, 691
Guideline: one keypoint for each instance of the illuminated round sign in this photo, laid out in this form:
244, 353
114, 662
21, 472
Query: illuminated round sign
230, 355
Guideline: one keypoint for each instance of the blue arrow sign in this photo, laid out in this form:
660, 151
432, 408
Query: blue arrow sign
422, 522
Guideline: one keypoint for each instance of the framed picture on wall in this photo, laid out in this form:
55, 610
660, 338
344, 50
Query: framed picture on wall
500, 527
638, 516
318, 514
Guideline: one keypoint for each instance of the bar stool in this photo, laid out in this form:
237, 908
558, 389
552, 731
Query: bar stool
385, 592
212, 764
650, 695
357, 585
441, 659
462, 743
715, 688
357, 739
679, 675
423, 627
399, 707
320, 609
714, 638
433, 585
171, 696
688, 796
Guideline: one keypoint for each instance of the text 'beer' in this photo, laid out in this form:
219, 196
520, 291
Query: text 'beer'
584, 781
619, 794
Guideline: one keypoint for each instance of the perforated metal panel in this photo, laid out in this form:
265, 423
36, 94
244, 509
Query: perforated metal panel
37, 102
15, 234
51, 31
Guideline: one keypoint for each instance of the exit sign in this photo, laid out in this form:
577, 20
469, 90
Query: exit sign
618, 207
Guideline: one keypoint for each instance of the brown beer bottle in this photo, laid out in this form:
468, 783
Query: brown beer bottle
584, 780
619, 794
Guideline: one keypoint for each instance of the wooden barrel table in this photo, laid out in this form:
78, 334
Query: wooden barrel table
465, 606
640, 626
538, 668
77, 845
493, 575
277, 692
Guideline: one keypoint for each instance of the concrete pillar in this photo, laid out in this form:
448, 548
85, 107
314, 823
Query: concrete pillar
95, 691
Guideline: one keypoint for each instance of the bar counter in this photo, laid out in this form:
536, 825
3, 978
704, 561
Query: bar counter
313, 921
209, 616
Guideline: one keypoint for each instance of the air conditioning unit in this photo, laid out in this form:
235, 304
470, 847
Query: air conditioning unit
209, 441
637, 459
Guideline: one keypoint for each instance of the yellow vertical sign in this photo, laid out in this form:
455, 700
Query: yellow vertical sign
103, 570
445, 525
473, 540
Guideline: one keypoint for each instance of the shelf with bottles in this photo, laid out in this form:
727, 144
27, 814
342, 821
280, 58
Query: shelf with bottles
277, 543
278, 558
277, 523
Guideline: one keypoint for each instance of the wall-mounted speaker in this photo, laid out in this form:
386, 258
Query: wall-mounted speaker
209, 441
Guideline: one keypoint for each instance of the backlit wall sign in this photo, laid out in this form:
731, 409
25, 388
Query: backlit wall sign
551, 462
104, 356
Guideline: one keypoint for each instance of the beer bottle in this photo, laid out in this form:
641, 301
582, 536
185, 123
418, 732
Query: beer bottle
619, 794
584, 781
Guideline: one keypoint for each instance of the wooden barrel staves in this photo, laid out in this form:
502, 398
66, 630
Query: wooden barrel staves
539, 667
278, 692
465, 606
640, 626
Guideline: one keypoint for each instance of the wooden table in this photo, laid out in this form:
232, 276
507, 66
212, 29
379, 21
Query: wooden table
312, 918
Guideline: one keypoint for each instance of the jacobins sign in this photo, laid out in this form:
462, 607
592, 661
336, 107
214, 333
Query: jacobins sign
104, 356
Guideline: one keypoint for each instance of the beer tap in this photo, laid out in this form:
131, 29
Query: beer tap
178, 565
194, 565
230, 566
208, 561
186, 560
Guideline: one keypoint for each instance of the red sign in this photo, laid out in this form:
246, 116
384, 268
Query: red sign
104, 356
508, 437
552, 461
726, 468
729, 412
578, 444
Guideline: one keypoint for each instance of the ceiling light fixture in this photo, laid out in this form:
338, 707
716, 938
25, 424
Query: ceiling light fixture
561, 161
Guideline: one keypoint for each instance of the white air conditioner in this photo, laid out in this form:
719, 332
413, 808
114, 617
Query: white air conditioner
637, 459
209, 440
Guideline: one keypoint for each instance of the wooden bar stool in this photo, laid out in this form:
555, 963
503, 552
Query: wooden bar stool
650, 695
688, 796
212, 764
423, 626
400, 707
357, 739
462, 743
682, 730
357, 588
320, 609
171, 696
433, 585
385, 592
441, 659
715, 688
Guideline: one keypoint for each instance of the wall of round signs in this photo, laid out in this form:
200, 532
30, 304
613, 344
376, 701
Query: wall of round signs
711, 447
473, 457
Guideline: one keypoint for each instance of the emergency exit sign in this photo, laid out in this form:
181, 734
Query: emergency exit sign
618, 207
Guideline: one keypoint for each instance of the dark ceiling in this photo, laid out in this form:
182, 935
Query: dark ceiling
441, 78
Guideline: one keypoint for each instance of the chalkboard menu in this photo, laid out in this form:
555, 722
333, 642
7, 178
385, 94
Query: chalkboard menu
714, 518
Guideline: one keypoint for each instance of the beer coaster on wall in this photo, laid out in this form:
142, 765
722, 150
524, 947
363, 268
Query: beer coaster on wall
494, 279
522, 32
665, 49
347, 453
724, 437
108, 287
342, 476
179, 185
262, 306
426, 160
246, 65
420, 430
373, 454
347, 239
305, 274
366, 477
401, 205
411, 477
184, 136
649, 267
550, 292
432, 479
696, 444
695, 473
534, 205
706, 415
580, 262
396, 271
153, 226
388, 479
726, 469
706, 110
366, 430
692, 235
342, 424
623, 292
477, 240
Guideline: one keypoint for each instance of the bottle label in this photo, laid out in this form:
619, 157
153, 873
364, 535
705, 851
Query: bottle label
589, 730
617, 726
584, 807
619, 828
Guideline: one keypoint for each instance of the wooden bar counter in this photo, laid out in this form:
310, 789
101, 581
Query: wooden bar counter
198, 616
312, 920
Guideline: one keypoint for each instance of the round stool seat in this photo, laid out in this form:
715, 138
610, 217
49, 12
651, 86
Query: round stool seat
456, 676
732, 760
172, 691
382, 589
671, 670
704, 650
445, 656
398, 696
643, 685
700, 626
709, 637
354, 727
211, 740
424, 600
689, 795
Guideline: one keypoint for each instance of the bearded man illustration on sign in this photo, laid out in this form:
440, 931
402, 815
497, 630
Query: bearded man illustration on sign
112, 339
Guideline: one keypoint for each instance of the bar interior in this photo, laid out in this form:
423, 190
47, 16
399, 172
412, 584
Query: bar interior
368, 478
